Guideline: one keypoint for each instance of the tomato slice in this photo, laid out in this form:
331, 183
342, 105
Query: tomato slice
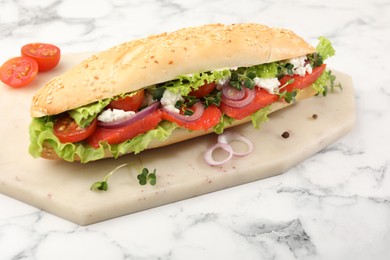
262, 99
128, 103
301, 82
210, 117
68, 131
203, 90
47, 55
18, 72
121, 134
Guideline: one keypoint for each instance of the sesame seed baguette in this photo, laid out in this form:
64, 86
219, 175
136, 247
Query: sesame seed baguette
179, 135
159, 58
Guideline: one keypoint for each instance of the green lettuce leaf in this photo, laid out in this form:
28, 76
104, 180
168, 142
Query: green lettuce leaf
325, 82
268, 70
260, 117
186, 83
325, 48
84, 115
41, 131
223, 123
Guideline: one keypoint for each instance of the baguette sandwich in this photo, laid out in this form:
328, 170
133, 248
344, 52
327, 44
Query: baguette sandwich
171, 87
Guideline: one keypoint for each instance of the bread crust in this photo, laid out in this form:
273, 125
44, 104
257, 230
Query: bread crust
179, 135
144, 62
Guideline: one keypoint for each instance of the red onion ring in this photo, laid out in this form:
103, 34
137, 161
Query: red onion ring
139, 115
228, 137
208, 156
223, 142
232, 93
246, 100
199, 109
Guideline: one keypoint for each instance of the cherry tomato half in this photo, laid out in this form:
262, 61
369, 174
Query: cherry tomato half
47, 55
129, 103
68, 131
18, 72
203, 90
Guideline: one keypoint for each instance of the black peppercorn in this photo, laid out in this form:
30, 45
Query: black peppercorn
286, 134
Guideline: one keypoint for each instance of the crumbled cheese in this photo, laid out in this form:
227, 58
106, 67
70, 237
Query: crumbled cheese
269, 84
148, 99
299, 66
114, 115
169, 100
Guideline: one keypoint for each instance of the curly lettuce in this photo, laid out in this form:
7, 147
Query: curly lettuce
41, 131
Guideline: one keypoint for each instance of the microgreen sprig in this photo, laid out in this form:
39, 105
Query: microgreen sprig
145, 176
242, 78
103, 184
285, 69
287, 96
332, 79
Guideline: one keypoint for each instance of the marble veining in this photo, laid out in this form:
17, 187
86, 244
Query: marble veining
335, 205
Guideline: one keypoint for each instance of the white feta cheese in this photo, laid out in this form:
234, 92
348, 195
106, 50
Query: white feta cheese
269, 84
169, 100
114, 115
299, 66
148, 99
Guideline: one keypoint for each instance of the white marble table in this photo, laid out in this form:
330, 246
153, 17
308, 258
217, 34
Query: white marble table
335, 205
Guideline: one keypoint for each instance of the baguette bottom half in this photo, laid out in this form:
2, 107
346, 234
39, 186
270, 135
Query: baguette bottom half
179, 134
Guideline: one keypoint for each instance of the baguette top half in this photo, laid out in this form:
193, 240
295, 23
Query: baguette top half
144, 62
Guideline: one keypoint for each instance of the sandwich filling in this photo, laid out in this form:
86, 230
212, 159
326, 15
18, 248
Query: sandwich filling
196, 102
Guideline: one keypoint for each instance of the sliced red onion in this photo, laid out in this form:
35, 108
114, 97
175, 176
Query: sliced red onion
199, 109
139, 115
228, 137
208, 156
246, 100
232, 93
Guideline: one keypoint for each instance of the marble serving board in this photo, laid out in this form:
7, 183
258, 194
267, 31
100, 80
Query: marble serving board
63, 188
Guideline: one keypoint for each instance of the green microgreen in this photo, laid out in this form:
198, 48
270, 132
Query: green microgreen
242, 77
188, 112
332, 79
285, 69
191, 100
288, 96
145, 176
213, 99
179, 104
102, 185
315, 60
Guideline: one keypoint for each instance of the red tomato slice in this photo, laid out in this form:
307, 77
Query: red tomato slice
129, 103
47, 55
209, 118
68, 131
262, 99
301, 82
121, 134
18, 72
203, 90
